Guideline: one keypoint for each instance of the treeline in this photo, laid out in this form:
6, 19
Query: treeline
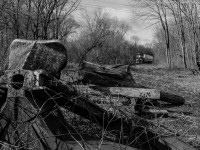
98, 37
101, 40
35, 19
119, 53
177, 38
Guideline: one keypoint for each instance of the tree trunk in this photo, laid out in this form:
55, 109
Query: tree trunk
99, 75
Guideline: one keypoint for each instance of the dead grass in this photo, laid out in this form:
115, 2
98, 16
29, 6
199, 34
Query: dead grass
183, 120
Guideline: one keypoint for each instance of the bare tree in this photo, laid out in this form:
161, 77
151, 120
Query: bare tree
178, 20
36, 19
156, 12
99, 29
66, 28
47, 16
185, 20
96, 31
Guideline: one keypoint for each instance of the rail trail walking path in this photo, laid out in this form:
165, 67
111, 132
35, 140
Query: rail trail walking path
183, 120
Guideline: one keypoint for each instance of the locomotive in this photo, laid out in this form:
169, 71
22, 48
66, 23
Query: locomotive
143, 58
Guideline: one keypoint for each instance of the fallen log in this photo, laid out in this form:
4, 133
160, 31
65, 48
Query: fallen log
171, 98
118, 72
95, 74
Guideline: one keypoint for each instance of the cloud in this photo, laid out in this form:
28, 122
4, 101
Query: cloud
145, 36
137, 27
122, 14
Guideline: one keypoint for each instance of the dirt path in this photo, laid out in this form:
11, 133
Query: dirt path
185, 119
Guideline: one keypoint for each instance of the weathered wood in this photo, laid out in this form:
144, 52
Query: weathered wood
77, 104
59, 129
57, 94
171, 98
119, 76
155, 111
3, 97
89, 110
99, 144
119, 91
99, 75
44, 129
112, 101
176, 144
119, 72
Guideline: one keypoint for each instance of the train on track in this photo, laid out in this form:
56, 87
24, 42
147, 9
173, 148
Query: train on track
143, 58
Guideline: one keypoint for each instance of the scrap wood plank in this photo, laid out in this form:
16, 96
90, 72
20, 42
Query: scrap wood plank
112, 101
119, 91
103, 145
176, 144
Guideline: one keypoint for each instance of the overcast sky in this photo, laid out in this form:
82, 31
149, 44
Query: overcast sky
122, 10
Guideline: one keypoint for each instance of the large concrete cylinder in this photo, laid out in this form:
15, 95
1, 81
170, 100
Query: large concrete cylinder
50, 56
